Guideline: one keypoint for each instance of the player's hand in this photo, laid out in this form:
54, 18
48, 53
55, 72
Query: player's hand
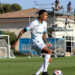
49, 45
14, 45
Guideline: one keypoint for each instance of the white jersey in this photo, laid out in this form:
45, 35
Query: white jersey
37, 29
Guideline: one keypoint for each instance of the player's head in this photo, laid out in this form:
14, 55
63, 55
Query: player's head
43, 15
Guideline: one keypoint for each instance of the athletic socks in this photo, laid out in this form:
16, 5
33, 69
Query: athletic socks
44, 66
46, 62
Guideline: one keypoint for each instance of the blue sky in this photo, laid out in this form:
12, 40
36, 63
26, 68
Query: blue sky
30, 3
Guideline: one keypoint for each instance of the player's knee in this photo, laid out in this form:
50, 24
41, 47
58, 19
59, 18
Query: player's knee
50, 60
47, 50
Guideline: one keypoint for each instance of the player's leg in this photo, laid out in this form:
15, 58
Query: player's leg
36, 47
42, 66
42, 47
40, 69
46, 59
50, 59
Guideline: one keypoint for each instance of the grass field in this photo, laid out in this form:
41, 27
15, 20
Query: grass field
25, 66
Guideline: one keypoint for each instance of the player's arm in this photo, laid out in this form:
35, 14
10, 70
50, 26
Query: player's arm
27, 28
45, 40
20, 34
44, 37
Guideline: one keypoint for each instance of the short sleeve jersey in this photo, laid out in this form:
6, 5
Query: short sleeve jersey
37, 29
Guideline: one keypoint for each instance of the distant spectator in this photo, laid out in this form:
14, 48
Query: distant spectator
67, 22
61, 7
54, 24
53, 7
69, 8
57, 4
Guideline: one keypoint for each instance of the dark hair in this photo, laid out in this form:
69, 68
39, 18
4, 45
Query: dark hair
41, 12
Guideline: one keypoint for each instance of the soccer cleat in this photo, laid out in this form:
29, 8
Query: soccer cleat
45, 73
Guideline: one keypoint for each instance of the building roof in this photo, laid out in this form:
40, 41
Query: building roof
28, 13
20, 14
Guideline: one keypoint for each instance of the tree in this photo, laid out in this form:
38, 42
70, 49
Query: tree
16, 7
11, 34
6, 7
1, 8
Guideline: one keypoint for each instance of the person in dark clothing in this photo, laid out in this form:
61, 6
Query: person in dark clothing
69, 8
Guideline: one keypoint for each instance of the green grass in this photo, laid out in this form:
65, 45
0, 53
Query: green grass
25, 66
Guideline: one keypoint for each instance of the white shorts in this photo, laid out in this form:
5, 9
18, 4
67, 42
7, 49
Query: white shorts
37, 45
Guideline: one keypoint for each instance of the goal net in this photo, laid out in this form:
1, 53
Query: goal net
5, 51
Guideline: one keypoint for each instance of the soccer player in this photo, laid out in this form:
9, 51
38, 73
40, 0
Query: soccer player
38, 29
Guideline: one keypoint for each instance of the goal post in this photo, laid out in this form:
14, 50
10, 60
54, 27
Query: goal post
5, 50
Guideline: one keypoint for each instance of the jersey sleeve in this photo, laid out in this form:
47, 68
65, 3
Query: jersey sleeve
45, 28
30, 26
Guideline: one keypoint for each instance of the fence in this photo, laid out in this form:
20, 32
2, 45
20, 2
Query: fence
58, 46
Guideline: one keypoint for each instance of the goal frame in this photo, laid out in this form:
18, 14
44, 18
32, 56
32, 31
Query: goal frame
8, 44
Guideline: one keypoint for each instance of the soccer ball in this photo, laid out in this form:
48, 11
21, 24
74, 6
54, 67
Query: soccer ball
57, 72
